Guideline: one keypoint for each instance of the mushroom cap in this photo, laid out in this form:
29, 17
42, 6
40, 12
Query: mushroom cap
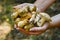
46, 16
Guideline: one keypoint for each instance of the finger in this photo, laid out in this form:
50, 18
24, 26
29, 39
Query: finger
36, 29
21, 5
18, 6
45, 26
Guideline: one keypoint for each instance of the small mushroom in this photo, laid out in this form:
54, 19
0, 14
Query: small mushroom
14, 15
44, 18
23, 11
17, 20
28, 16
41, 22
33, 17
37, 18
22, 23
28, 26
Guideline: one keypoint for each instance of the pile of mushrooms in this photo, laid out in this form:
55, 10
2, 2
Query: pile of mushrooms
28, 17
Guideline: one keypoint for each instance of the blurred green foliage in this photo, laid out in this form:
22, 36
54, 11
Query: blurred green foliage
5, 15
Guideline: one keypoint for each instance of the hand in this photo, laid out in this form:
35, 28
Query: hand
40, 30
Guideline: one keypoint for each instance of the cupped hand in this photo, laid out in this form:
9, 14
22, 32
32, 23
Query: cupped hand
42, 29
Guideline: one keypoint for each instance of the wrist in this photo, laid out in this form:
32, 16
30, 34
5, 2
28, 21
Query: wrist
55, 21
42, 5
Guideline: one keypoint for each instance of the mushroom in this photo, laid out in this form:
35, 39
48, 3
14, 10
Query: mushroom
22, 23
23, 11
17, 20
44, 18
28, 26
14, 15
32, 17
37, 18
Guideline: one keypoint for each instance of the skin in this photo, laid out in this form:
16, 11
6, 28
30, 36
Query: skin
42, 5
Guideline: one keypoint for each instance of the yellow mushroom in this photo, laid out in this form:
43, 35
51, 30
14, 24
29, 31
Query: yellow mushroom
14, 15
44, 18
37, 18
22, 23
17, 20
28, 26
32, 17
23, 11
28, 15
